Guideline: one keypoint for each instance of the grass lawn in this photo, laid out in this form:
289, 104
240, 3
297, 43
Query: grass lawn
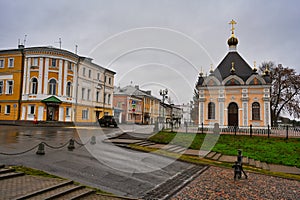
270, 150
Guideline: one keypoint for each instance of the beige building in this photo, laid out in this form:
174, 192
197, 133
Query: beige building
234, 94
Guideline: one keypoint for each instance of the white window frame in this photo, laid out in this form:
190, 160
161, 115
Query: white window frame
88, 94
52, 87
34, 86
2, 63
52, 62
1, 86
70, 66
6, 109
31, 110
68, 111
85, 114
9, 89
82, 93
11, 62
35, 62
83, 71
69, 89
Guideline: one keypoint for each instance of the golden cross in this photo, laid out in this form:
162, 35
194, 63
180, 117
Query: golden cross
232, 22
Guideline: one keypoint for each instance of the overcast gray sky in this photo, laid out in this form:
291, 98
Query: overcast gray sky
157, 44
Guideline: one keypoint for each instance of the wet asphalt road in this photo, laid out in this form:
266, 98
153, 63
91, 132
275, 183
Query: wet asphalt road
103, 165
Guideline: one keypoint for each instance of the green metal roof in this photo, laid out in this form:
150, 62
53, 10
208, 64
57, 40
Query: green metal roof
51, 99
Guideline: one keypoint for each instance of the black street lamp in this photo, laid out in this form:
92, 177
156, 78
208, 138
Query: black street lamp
164, 94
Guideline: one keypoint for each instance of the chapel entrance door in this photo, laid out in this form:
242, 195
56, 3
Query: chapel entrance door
233, 114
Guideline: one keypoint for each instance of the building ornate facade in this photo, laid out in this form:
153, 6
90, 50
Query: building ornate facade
50, 84
234, 94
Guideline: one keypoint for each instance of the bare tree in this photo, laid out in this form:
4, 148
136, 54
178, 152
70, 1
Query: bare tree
285, 91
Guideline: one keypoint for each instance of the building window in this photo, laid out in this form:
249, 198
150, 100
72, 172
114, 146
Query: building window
85, 114
98, 76
255, 111
2, 63
82, 93
104, 100
10, 62
68, 112
31, 109
105, 79
109, 80
7, 109
97, 96
52, 87
69, 89
9, 87
53, 62
70, 66
1, 87
83, 71
211, 110
34, 84
90, 73
35, 62
108, 98
88, 94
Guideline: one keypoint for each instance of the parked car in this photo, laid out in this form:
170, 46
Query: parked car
108, 121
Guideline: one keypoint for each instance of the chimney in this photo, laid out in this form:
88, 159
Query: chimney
137, 87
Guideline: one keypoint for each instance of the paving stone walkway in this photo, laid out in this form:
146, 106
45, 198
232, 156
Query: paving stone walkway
218, 183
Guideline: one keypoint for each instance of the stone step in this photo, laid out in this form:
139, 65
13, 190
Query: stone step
216, 156
211, 154
145, 143
179, 149
170, 147
44, 190
265, 166
6, 170
77, 194
57, 193
10, 175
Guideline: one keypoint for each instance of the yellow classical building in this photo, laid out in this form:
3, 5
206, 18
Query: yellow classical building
10, 83
50, 84
234, 94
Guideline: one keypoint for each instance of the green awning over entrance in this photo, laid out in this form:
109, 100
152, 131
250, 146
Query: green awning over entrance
51, 99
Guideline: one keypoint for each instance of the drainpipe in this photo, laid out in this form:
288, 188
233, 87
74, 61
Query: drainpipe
21, 47
104, 80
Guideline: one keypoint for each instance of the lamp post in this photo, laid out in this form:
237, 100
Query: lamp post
164, 94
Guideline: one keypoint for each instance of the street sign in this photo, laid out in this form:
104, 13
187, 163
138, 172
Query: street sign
133, 102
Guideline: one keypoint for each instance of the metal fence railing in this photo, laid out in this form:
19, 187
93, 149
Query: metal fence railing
283, 131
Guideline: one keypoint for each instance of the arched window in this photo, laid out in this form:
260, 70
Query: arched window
34, 84
255, 111
52, 87
69, 89
211, 110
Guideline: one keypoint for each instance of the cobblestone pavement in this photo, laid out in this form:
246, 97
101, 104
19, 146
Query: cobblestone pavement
218, 183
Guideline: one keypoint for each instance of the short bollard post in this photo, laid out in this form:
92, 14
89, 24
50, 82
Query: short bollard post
93, 140
71, 145
41, 149
251, 130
